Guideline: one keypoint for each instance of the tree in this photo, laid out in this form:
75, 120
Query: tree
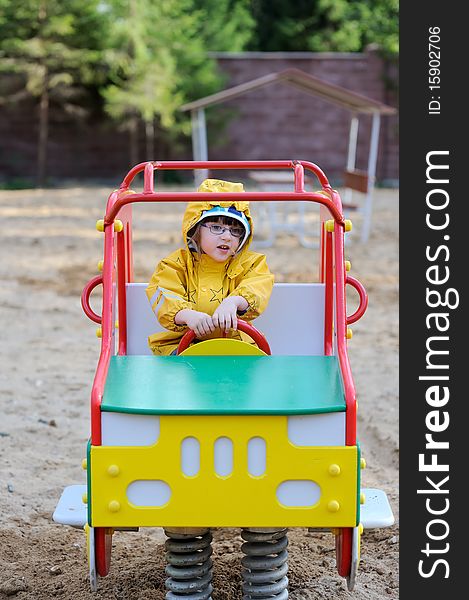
142, 72
53, 46
158, 59
224, 25
325, 25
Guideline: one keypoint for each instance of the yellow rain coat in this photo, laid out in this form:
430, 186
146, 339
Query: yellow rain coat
187, 279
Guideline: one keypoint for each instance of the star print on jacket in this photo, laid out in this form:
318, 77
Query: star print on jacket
191, 296
217, 295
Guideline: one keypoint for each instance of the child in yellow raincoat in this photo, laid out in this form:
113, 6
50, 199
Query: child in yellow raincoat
215, 278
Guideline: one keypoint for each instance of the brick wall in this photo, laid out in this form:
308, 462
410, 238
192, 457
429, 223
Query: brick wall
274, 122
279, 121
89, 148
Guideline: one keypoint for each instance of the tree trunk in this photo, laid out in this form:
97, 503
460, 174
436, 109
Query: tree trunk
43, 135
150, 140
133, 146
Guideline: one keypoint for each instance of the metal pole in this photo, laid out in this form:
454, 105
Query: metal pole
352, 153
199, 143
352, 143
372, 160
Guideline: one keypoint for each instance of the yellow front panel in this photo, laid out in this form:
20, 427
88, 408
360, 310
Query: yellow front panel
209, 500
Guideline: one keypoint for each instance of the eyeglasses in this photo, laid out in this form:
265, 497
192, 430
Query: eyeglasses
236, 232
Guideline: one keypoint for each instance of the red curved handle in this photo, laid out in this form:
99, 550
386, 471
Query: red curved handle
247, 328
85, 298
358, 314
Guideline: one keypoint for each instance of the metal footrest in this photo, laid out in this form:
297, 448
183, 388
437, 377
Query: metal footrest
376, 511
71, 510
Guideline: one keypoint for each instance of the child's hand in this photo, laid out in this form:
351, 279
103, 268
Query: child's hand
201, 323
225, 317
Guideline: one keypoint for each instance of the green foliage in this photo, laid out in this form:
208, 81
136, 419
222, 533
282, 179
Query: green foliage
17, 183
141, 68
224, 25
145, 58
53, 44
325, 25
51, 50
158, 54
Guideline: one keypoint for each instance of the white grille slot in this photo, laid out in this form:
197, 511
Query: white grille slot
190, 456
257, 456
223, 458
301, 492
152, 492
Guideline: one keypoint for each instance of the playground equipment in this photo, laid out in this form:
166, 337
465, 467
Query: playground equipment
225, 434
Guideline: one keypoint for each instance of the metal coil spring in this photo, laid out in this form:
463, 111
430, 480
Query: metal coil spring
189, 565
265, 564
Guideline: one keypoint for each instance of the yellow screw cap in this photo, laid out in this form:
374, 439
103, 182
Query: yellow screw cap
100, 225
99, 332
329, 224
334, 470
114, 506
349, 333
113, 470
362, 463
362, 498
333, 506
100, 265
84, 464
118, 225
348, 225
348, 265
360, 528
84, 498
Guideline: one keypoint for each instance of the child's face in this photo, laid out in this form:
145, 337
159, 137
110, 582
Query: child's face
219, 247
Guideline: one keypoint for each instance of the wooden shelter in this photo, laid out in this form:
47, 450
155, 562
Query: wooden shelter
356, 104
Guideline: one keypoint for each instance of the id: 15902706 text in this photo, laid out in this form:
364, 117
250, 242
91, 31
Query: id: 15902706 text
434, 72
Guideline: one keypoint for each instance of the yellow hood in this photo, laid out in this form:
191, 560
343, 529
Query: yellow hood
195, 210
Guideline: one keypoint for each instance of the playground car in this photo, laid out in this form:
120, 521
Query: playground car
279, 451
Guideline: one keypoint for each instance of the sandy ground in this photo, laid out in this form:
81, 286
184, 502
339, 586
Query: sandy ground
49, 250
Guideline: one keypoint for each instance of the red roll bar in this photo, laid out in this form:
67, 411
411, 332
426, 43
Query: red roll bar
85, 298
358, 314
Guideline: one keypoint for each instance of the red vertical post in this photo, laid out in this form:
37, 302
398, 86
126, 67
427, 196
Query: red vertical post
299, 178
328, 293
341, 332
121, 293
148, 178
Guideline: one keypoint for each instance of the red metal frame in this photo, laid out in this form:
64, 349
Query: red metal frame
358, 314
328, 279
103, 547
121, 296
336, 212
85, 298
343, 550
221, 164
124, 273
118, 250
341, 332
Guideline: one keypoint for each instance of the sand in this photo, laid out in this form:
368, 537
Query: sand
49, 249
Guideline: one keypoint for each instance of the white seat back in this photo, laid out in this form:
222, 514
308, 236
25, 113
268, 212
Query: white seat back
293, 321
